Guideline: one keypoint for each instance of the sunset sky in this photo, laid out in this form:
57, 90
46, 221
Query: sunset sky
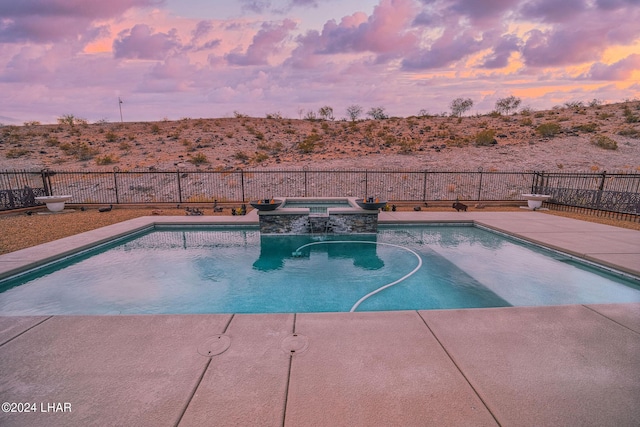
209, 58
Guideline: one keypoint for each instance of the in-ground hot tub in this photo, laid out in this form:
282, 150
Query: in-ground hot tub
326, 215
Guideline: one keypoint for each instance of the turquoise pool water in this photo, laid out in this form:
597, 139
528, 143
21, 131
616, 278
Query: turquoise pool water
232, 270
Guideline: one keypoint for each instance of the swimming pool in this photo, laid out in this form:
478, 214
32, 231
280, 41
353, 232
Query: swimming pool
237, 270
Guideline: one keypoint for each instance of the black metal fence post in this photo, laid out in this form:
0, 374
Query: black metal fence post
305, 181
424, 187
366, 183
46, 184
242, 184
479, 183
115, 183
600, 190
179, 186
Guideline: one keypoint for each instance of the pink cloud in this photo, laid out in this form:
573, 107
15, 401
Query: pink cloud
141, 43
386, 32
265, 43
621, 70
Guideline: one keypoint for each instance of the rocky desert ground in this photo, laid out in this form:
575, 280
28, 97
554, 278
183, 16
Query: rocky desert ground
566, 138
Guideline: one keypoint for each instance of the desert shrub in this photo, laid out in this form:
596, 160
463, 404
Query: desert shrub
595, 102
80, 150
526, 121
587, 127
241, 155
276, 115
32, 123
604, 116
14, 153
260, 157
124, 146
308, 144
52, 141
407, 145
155, 129
485, 137
629, 116
539, 115
548, 129
630, 132
605, 142
198, 159
111, 136
107, 159
68, 119
506, 105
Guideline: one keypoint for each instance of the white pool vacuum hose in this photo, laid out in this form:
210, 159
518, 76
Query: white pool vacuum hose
297, 253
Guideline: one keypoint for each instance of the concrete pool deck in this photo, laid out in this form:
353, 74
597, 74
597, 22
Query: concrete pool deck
561, 365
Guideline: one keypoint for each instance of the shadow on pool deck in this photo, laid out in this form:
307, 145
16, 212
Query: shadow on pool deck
563, 365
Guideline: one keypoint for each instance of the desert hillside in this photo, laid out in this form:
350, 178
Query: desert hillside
569, 138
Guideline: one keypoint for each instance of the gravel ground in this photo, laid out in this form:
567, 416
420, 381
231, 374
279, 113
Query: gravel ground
21, 231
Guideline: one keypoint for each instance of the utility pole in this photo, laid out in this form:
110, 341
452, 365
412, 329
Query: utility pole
120, 105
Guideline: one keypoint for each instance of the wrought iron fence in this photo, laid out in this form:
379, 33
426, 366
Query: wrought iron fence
612, 192
617, 192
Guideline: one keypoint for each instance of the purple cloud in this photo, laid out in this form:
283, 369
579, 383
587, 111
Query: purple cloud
620, 70
499, 58
262, 6
141, 43
449, 48
616, 4
552, 10
482, 9
266, 42
43, 21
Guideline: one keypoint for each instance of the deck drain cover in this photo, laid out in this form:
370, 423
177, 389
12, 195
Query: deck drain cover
295, 344
215, 345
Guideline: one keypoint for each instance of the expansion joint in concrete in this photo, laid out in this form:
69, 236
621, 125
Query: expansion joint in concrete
25, 331
459, 369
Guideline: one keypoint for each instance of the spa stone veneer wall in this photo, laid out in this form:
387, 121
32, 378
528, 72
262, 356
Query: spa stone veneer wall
274, 223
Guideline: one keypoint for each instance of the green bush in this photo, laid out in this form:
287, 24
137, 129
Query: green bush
107, 159
260, 157
111, 136
14, 153
587, 127
485, 137
81, 150
605, 142
630, 132
308, 144
629, 116
548, 129
241, 155
198, 159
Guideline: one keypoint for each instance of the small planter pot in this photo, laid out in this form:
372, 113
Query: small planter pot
54, 203
266, 204
534, 201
